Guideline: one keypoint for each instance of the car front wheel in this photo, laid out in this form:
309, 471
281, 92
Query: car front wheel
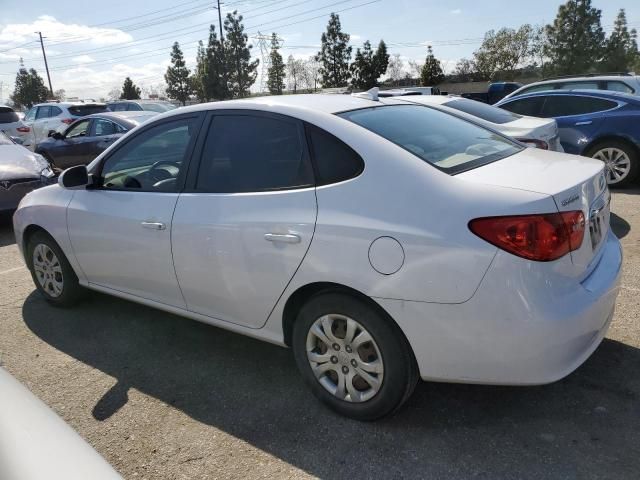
353, 357
621, 162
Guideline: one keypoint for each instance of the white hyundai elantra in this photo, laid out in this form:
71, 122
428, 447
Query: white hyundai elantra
382, 242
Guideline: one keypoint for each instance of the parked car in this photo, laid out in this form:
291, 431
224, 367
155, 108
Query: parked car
35, 443
534, 132
53, 116
158, 106
21, 171
423, 90
598, 124
496, 92
383, 242
616, 82
85, 139
11, 124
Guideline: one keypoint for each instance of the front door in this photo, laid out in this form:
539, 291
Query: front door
243, 227
121, 231
75, 148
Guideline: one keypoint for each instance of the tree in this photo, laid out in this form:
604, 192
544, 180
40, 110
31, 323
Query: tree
381, 60
129, 90
60, 94
334, 55
312, 68
538, 45
215, 81
199, 78
464, 71
295, 73
29, 88
368, 66
621, 47
179, 85
415, 69
431, 73
503, 52
276, 74
396, 69
575, 41
241, 71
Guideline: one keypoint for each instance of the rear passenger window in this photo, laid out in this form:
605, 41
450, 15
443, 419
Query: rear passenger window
43, 112
334, 160
564, 106
526, 106
245, 153
619, 87
54, 112
580, 85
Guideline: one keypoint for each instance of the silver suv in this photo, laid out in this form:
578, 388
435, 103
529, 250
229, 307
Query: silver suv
51, 116
617, 82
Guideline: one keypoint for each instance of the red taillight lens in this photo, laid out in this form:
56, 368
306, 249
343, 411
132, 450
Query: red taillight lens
542, 237
68, 121
534, 142
23, 129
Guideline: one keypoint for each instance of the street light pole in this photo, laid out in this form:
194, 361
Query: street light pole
46, 66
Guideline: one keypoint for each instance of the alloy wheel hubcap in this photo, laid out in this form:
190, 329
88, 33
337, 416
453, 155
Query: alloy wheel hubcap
344, 358
617, 164
48, 270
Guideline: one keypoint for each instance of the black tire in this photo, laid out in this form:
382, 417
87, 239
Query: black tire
632, 154
400, 369
71, 292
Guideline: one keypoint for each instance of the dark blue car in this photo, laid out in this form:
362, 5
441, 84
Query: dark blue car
88, 137
594, 123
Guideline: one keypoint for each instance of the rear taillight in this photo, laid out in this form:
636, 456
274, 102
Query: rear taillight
534, 142
68, 121
23, 129
541, 237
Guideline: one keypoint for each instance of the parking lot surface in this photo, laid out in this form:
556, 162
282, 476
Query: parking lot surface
161, 396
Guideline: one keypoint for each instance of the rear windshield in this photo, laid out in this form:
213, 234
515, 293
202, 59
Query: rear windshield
158, 107
445, 141
82, 110
483, 111
7, 115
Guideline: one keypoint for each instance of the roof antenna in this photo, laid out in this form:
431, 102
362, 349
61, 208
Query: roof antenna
371, 94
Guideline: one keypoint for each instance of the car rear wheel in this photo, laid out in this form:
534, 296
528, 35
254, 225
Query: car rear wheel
621, 162
51, 272
353, 357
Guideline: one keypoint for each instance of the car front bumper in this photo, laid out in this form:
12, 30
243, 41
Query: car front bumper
526, 325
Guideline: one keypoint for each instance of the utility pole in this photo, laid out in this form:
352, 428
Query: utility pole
46, 66
224, 71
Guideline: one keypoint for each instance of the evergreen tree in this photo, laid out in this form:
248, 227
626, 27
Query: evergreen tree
241, 71
575, 41
381, 60
431, 73
29, 88
621, 47
334, 55
276, 73
215, 84
129, 90
199, 78
179, 85
362, 68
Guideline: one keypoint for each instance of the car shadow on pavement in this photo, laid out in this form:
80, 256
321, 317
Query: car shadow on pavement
619, 226
586, 426
6, 230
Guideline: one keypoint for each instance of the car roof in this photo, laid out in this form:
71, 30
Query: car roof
67, 104
318, 102
145, 100
611, 95
570, 79
122, 115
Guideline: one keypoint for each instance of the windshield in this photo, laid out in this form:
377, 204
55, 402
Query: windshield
7, 115
158, 107
482, 110
445, 141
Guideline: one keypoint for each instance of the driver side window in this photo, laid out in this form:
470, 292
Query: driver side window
152, 160
78, 130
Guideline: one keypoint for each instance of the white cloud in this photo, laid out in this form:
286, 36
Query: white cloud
82, 59
355, 36
456, 11
56, 31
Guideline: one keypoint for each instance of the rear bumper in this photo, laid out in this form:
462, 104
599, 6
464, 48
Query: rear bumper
524, 325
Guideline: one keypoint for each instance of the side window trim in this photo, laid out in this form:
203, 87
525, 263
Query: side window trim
198, 152
188, 156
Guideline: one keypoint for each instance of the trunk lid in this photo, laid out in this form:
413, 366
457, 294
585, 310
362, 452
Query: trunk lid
575, 183
534, 128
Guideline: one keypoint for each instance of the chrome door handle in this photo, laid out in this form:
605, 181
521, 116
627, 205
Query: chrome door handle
283, 238
586, 122
153, 225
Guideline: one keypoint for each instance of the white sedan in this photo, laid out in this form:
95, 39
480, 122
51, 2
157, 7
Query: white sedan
383, 242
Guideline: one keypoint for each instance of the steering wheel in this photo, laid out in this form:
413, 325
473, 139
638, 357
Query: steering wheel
155, 171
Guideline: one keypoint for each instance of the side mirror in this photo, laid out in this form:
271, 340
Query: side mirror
74, 178
56, 135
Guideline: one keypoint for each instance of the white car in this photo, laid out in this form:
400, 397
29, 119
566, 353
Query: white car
382, 242
35, 443
534, 132
617, 82
55, 116
11, 124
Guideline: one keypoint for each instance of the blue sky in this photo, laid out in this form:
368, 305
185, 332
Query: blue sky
91, 50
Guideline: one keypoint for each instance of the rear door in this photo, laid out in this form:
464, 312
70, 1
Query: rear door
243, 227
103, 133
40, 123
579, 118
